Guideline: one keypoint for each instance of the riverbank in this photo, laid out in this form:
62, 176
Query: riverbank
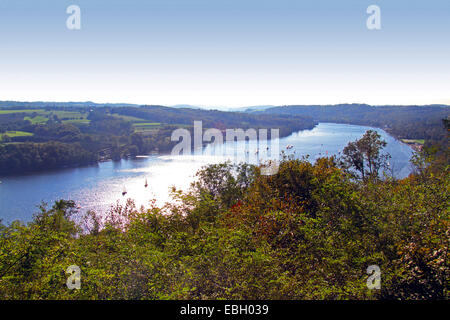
100, 186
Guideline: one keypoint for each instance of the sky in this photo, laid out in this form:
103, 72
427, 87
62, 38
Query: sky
226, 52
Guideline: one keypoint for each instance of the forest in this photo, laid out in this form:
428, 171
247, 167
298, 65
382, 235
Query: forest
41, 138
308, 232
403, 122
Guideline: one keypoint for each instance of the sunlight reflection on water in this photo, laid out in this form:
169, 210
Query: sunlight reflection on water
101, 186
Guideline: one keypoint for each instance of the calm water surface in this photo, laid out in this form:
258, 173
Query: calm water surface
99, 187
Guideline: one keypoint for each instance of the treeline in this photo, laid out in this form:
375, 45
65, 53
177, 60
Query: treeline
308, 232
24, 157
404, 122
217, 119
108, 134
12, 122
59, 145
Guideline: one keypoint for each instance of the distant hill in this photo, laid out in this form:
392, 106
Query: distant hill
288, 109
404, 122
185, 106
43, 104
362, 113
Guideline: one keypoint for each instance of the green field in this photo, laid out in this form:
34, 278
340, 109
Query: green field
419, 141
22, 111
147, 124
13, 134
67, 115
37, 119
77, 121
40, 116
128, 118
148, 127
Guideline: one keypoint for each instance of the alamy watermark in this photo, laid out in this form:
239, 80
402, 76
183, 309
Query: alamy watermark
74, 280
374, 279
263, 151
73, 22
374, 20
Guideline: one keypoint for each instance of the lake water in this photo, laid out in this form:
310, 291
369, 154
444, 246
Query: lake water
100, 186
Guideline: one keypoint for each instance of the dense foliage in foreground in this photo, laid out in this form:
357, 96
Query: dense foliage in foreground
308, 232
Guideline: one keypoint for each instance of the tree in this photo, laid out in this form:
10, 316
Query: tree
446, 123
138, 141
5, 138
364, 155
224, 182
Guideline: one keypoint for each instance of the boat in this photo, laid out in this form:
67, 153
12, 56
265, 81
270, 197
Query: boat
124, 192
146, 183
289, 146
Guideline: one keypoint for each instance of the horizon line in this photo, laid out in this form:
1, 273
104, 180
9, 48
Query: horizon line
190, 105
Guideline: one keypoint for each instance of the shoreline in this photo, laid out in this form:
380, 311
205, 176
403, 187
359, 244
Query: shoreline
165, 153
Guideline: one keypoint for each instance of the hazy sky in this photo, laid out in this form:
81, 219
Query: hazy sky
226, 52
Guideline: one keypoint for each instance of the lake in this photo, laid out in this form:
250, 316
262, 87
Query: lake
100, 186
